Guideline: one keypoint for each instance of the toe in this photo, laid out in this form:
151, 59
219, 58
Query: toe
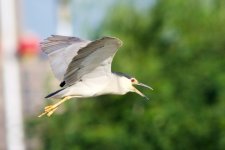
48, 107
51, 112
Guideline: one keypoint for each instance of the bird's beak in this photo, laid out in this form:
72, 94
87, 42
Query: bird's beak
138, 92
141, 84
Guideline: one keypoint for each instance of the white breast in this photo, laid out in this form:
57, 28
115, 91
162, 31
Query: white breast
89, 87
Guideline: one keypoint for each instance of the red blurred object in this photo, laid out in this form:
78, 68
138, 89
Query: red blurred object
28, 45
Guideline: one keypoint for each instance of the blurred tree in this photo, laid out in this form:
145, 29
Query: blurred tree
176, 46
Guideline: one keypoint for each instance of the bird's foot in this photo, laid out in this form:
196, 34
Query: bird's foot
49, 110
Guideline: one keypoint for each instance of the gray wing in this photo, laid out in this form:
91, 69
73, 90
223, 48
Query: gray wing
60, 51
92, 60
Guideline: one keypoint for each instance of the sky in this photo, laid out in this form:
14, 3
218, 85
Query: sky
41, 17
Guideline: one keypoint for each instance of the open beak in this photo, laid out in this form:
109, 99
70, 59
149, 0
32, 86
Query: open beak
141, 94
141, 84
138, 92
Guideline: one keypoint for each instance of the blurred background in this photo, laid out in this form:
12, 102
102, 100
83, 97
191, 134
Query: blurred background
177, 47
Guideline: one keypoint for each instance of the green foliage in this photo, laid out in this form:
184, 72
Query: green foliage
177, 47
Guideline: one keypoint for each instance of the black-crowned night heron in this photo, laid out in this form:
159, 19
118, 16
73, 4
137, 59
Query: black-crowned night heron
84, 67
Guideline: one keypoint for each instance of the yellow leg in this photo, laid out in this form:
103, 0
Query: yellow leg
49, 110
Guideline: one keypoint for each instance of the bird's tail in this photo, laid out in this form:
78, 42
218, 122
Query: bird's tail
54, 93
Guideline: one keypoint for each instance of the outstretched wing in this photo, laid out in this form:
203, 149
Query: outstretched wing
61, 50
92, 60
72, 58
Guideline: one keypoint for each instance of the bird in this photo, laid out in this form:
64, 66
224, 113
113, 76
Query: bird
83, 68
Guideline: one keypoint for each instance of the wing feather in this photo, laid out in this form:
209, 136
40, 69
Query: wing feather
72, 58
95, 54
56, 42
61, 50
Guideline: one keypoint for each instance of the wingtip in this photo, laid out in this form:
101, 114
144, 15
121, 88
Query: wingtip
118, 41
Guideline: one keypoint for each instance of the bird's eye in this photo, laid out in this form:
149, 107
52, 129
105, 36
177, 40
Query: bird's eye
132, 80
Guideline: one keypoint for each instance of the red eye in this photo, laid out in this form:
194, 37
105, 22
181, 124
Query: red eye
132, 80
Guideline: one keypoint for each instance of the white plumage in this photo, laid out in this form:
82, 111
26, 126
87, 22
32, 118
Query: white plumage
84, 68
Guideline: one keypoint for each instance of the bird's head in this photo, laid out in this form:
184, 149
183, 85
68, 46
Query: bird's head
134, 82
128, 84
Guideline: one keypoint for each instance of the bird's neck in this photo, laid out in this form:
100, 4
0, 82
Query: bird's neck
117, 85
